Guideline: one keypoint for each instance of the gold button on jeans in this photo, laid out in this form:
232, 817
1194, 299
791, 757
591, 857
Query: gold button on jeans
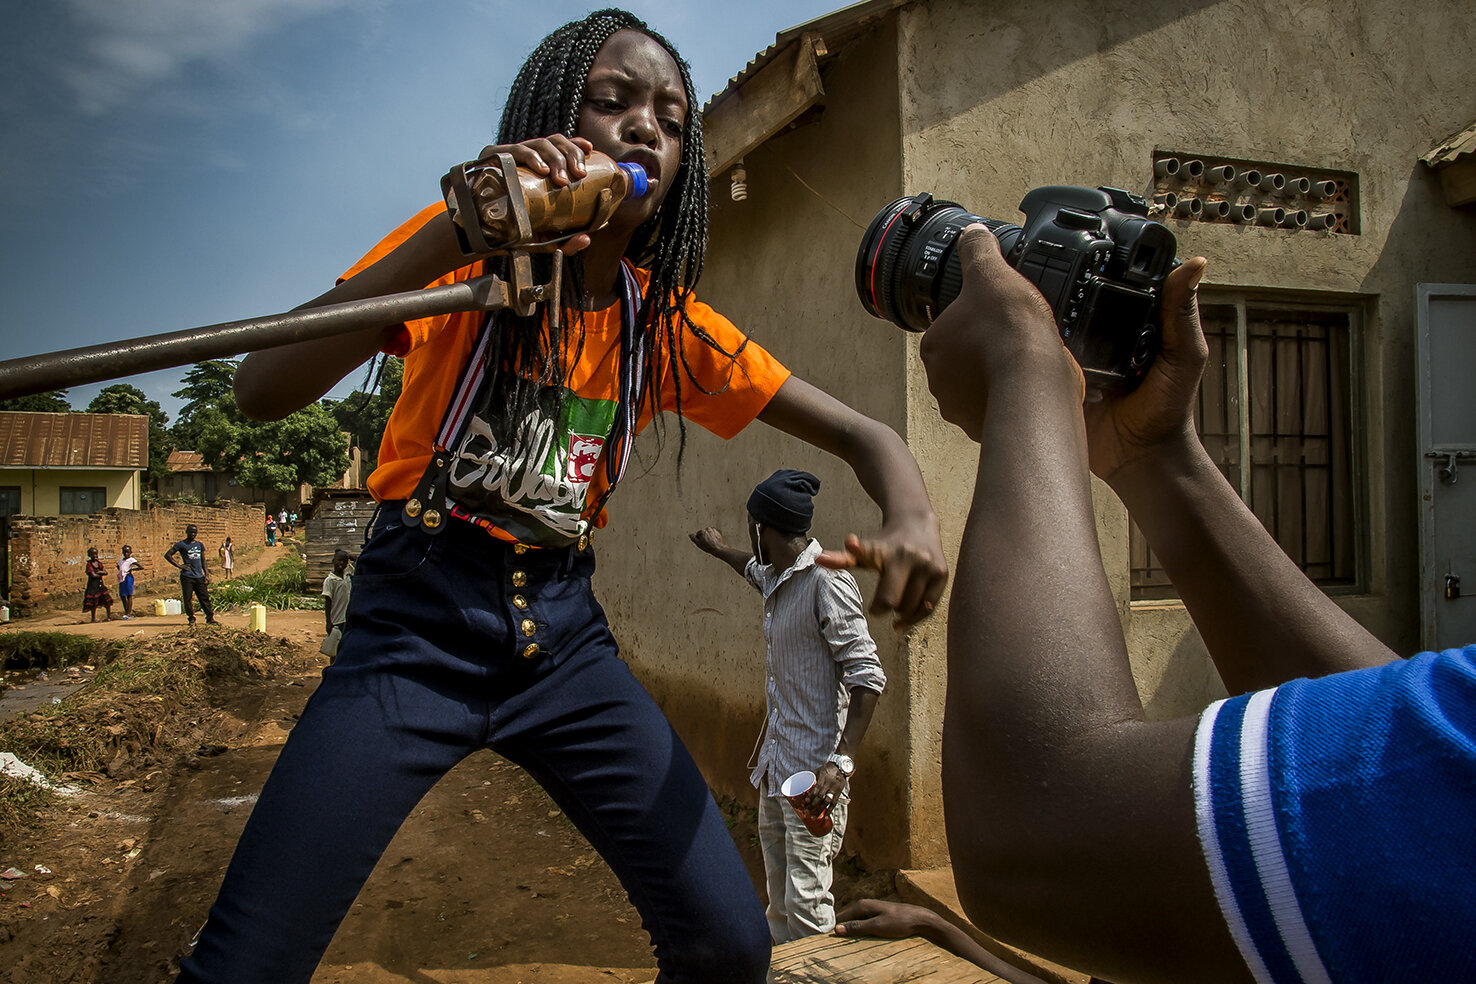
528, 627
530, 650
520, 603
519, 578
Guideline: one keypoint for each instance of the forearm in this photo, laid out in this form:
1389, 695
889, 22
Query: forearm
858, 719
1069, 817
272, 383
1034, 641
880, 459
1263, 621
733, 557
942, 933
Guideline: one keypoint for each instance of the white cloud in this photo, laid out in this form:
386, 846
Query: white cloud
123, 46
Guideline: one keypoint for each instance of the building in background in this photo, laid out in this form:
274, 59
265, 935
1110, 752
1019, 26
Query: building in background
62, 464
1337, 400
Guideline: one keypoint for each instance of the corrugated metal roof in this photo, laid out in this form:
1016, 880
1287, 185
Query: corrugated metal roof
1453, 147
835, 28
73, 440
187, 461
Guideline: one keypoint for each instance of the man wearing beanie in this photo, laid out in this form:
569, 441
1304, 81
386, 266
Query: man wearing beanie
823, 680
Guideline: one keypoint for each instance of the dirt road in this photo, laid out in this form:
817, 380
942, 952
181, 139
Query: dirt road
487, 883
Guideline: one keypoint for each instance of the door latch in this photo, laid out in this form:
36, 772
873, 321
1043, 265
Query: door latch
1449, 463
1452, 586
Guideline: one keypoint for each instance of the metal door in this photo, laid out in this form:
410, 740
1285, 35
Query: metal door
1446, 320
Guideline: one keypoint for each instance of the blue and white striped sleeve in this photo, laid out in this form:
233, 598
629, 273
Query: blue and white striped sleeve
1235, 812
1336, 817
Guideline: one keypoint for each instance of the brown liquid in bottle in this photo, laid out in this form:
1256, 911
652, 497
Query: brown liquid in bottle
553, 213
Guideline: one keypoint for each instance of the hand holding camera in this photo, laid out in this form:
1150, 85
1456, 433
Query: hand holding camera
1107, 277
1160, 412
999, 328
1094, 255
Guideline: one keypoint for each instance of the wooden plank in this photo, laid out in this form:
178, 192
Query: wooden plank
765, 104
337, 523
834, 959
934, 889
1458, 180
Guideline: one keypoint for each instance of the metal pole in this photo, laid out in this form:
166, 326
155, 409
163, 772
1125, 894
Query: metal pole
112, 360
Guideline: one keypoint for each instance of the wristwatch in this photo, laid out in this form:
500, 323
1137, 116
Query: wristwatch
843, 762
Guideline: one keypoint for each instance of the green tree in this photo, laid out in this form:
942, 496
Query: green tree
364, 414
126, 398
52, 402
303, 448
207, 386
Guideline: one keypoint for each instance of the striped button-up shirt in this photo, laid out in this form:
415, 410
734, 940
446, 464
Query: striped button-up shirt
818, 650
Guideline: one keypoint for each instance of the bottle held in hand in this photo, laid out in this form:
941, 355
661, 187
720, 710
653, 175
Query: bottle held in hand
496, 205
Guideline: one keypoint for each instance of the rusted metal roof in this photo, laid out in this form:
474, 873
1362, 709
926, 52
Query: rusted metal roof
1452, 148
73, 440
187, 461
836, 29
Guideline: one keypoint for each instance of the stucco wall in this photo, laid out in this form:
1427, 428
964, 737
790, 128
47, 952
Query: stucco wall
1083, 93
41, 487
980, 103
780, 266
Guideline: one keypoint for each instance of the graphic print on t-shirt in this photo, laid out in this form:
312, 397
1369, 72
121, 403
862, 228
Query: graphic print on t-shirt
531, 478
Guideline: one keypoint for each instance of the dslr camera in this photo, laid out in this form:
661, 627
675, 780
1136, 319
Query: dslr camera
1093, 252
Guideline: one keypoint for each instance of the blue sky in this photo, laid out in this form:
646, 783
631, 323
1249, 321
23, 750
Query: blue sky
173, 163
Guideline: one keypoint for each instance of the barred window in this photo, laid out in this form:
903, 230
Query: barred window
77, 500
1275, 413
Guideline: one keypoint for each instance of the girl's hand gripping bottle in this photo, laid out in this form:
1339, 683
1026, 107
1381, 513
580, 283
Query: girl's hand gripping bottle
497, 206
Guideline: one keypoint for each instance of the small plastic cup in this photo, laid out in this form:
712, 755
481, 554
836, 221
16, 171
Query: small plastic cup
794, 789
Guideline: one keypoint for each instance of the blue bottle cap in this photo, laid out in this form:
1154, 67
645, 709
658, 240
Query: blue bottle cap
637, 178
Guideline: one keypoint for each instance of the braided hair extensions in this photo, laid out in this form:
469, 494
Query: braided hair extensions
546, 98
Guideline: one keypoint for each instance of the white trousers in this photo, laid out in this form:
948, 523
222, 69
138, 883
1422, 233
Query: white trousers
797, 868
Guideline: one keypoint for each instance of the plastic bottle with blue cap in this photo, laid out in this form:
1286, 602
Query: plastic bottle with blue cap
553, 213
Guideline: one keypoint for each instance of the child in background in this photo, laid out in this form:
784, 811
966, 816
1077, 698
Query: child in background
97, 595
127, 564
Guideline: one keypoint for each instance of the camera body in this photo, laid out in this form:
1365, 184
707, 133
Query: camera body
1093, 253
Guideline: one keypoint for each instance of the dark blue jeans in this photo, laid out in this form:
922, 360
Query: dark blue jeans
432, 668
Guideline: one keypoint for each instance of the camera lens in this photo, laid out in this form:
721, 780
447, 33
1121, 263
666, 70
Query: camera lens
907, 270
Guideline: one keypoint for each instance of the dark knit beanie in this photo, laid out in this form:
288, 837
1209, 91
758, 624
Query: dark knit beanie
783, 500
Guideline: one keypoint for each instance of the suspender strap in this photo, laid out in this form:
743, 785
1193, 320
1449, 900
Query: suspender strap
632, 374
427, 506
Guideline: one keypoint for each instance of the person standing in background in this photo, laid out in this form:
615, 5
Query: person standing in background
228, 558
97, 592
127, 564
193, 578
271, 531
823, 681
336, 588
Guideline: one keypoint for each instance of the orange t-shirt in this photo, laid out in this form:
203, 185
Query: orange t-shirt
435, 350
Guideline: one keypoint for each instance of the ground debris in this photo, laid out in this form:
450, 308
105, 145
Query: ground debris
149, 701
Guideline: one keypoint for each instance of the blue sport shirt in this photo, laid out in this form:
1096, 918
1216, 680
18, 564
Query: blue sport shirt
1338, 820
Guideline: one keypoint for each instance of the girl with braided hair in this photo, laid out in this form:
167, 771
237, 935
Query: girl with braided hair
477, 627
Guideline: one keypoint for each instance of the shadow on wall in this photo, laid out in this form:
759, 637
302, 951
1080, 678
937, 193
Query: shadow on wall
1428, 242
1185, 681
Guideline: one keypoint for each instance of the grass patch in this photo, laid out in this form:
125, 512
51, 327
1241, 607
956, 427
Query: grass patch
49, 650
149, 698
19, 801
280, 587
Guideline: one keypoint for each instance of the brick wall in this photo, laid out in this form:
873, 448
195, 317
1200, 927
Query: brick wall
48, 554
